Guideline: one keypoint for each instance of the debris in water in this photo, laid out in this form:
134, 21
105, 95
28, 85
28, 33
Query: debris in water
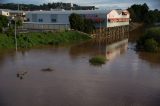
21, 74
47, 70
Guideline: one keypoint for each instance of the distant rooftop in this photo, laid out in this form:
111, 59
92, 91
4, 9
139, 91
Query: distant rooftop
62, 11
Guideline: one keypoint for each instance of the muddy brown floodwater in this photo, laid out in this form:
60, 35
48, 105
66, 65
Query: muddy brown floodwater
128, 78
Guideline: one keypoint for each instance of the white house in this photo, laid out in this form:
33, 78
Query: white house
59, 19
118, 18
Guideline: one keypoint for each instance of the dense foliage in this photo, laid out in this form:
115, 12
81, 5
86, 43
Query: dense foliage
150, 41
98, 60
81, 24
142, 13
28, 40
48, 6
3, 22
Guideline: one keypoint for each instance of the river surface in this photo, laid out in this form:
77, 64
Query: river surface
128, 78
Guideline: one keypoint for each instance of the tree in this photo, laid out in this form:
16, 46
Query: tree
88, 26
144, 11
132, 14
76, 22
10, 31
138, 12
19, 22
151, 45
3, 22
150, 18
79, 23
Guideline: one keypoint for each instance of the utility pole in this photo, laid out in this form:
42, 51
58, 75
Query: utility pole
18, 6
15, 35
15, 32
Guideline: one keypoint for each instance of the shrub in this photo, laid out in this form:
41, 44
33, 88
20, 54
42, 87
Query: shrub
98, 60
1, 29
151, 45
6, 42
10, 32
150, 41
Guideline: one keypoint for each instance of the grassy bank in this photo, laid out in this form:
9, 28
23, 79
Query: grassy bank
150, 41
32, 39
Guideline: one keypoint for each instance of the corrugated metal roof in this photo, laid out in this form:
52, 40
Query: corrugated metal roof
70, 11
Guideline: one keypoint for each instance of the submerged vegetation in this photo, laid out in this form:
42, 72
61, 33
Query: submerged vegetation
32, 39
150, 41
98, 60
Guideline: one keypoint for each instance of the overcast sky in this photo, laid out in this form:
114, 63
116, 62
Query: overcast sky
103, 4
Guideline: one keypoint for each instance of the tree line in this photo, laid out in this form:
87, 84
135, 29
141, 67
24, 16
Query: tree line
31, 7
45, 6
142, 13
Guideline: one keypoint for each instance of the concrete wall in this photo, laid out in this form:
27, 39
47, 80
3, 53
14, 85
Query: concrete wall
47, 18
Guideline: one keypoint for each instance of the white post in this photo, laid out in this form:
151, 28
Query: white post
15, 35
100, 27
66, 27
18, 6
42, 28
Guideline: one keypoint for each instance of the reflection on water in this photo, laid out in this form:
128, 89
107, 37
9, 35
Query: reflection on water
125, 80
110, 51
116, 49
152, 58
135, 34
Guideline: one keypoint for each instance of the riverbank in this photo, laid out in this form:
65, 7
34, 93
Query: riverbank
32, 39
150, 41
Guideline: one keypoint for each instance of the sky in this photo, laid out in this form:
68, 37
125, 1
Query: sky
102, 4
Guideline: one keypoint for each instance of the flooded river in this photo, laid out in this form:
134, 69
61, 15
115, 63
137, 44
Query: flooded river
128, 78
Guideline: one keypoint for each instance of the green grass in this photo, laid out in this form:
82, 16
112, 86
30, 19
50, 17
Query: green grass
98, 60
6, 42
32, 39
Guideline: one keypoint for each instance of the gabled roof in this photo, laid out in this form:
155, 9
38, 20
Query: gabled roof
119, 11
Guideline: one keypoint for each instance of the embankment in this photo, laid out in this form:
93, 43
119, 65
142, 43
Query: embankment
32, 39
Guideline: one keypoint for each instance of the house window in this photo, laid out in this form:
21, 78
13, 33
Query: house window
40, 20
53, 20
124, 13
34, 18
